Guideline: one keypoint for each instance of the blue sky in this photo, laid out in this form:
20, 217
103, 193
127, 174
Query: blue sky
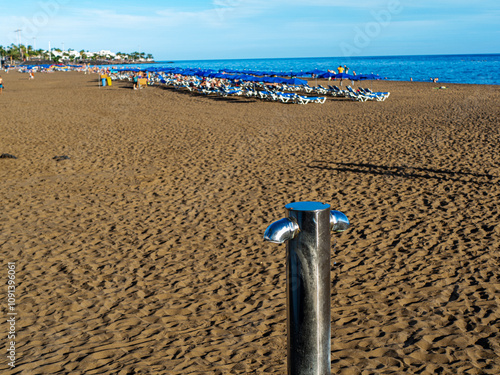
226, 29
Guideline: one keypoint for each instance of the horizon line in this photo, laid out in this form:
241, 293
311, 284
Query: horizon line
328, 57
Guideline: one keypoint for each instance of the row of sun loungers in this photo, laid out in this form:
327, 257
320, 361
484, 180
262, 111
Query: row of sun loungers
250, 90
363, 95
280, 93
276, 96
286, 97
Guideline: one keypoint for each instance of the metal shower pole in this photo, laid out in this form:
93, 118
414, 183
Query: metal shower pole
306, 231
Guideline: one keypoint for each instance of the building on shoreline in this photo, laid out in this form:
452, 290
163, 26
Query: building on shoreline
20, 54
72, 55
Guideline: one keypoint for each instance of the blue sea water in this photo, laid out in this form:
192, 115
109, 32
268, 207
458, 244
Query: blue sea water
472, 69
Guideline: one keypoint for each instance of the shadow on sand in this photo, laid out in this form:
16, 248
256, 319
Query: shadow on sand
407, 172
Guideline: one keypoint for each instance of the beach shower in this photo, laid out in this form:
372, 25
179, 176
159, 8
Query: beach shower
306, 231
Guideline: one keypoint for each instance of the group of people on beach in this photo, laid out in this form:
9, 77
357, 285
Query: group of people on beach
342, 69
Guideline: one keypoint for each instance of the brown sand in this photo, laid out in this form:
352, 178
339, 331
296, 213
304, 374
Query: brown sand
143, 253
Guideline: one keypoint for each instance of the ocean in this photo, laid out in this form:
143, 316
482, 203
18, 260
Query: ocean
472, 69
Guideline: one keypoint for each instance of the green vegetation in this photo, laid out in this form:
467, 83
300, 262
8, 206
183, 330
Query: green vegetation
19, 53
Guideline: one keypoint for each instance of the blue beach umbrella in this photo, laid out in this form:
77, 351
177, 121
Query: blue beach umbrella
370, 76
343, 76
327, 75
204, 73
316, 72
234, 77
283, 74
296, 81
200, 73
246, 77
346, 76
272, 79
280, 79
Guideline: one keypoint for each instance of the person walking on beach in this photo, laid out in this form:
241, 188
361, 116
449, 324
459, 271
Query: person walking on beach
340, 69
1, 84
136, 81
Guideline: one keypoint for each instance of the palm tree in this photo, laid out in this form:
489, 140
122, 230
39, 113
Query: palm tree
134, 55
30, 52
43, 54
13, 52
3, 52
22, 51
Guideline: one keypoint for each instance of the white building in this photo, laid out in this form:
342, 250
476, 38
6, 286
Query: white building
105, 54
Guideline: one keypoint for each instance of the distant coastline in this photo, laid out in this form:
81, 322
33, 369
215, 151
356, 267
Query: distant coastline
86, 62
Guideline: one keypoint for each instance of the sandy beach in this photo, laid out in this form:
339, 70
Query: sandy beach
143, 251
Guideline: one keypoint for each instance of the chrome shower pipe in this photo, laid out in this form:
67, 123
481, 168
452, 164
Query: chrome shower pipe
306, 232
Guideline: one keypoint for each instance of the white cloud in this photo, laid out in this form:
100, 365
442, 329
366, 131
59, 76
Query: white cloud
110, 18
261, 27
174, 18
